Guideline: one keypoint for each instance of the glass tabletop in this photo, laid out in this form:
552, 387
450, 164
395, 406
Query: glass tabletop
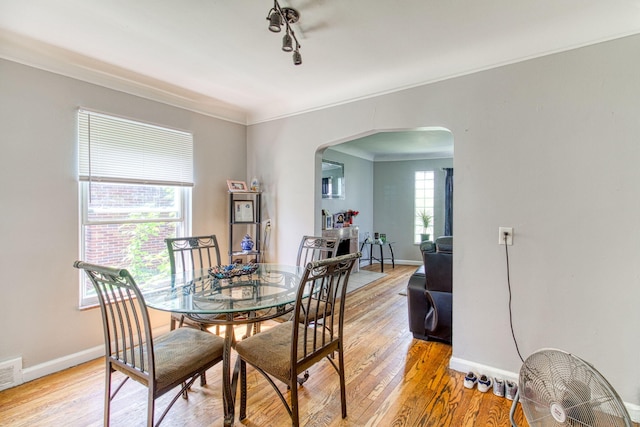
198, 292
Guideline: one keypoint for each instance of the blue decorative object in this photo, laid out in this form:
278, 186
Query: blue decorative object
247, 243
232, 270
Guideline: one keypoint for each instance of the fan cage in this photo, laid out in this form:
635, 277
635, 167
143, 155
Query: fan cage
559, 389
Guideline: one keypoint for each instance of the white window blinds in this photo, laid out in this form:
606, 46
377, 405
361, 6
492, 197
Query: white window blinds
118, 150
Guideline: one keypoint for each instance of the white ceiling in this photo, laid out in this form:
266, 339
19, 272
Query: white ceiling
431, 143
218, 57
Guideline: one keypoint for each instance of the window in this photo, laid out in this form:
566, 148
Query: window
424, 185
135, 191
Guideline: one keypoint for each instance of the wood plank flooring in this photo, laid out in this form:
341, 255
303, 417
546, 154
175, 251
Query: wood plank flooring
392, 380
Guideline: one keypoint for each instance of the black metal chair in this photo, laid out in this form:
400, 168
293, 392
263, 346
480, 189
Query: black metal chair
159, 363
289, 348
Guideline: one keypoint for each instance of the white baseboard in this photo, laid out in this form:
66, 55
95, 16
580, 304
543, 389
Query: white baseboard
68, 361
61, 363
464, 366
634, 411
408, 262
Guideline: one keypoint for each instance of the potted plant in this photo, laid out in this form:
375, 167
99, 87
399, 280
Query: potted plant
426, 221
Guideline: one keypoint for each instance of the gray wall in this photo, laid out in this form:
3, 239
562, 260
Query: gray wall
39, 199
548, 146
358, 174
394, 193
383, 192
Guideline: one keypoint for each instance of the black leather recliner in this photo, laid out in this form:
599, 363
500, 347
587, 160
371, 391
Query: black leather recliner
429, 292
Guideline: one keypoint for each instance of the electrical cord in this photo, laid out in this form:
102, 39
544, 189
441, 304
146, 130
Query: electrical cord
266, 240
515, 341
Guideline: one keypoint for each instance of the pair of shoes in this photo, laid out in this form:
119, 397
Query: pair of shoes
484, 383
470, 380
498, 387
511, 389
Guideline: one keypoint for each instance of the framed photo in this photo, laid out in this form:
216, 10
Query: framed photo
329, 222
237, 185
243, 211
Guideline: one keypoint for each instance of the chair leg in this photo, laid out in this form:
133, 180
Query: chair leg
295, 419
303, 379
203, 379
343, 388
243, 390
150, 409
107, 397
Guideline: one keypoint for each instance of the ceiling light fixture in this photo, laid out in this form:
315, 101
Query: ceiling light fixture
279, 16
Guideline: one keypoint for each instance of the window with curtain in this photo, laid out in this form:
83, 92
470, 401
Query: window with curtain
423, 202
135, 191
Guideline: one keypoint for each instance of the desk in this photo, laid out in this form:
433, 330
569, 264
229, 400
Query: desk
382, 257
268, 293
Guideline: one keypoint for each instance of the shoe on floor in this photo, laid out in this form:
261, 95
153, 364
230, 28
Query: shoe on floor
470, 380
498, 387
484, 383
511, 389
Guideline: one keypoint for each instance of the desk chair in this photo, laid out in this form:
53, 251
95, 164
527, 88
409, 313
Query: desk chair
159, 363
290, 348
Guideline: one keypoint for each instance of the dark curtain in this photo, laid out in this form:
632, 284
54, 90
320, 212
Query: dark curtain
448, 202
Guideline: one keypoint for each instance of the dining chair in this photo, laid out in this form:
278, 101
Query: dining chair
314, 248
195, 253
160, 363
287, 349
192, 253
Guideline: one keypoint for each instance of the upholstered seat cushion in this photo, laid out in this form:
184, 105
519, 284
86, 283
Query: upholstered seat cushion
271, 350
318, 310
182, 351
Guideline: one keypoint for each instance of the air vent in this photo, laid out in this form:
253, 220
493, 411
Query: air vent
10, 373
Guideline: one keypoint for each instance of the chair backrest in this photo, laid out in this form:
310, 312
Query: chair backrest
192, 253
314, 248
438, 267
444, 244
324, 277
127, 330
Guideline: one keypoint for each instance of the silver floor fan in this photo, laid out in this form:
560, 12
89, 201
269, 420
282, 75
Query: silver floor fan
557, 388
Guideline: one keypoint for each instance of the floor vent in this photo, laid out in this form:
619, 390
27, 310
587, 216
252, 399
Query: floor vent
10, 373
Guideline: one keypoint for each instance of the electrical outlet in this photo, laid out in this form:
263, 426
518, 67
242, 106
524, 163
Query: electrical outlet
501, 234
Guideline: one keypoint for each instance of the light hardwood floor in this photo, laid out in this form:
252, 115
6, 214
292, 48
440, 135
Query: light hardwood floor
392, 380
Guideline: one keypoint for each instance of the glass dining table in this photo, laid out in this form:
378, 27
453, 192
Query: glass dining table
266, 293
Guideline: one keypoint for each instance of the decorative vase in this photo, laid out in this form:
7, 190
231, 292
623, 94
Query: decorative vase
247, 243
255, 184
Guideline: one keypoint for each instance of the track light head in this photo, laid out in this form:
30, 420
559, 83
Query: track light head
287, 42
275, 21
297, 58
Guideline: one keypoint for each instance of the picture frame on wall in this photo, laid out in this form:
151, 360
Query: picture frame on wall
237, 185
243, 211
